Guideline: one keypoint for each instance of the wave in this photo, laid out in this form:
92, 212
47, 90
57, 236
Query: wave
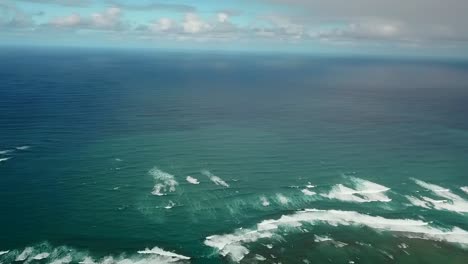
450, 202
264, 201
4, 252
64, 255
282, 199
165, 182
465, 189
170, 205
24, 254
192, 180
215, 179
161, 252
5, 152
23, 147
40, 256
4, 159
363, 191
308, 192
234, 245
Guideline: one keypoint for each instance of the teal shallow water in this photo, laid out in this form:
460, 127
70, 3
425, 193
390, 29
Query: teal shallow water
353, 138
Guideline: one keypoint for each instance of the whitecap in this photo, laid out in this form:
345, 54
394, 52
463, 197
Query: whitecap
65, 260
161, 252
451, 202
319, 239
40, 256
282, 199
260, 257
465, 189
25, 254
192, 180
363, 191
308, 192
23, 147
4, 152
170, 205
4, 159
264, 201
234, 245
165, 182
4, 252
215, 179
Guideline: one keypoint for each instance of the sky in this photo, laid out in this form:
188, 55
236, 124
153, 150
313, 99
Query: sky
397, 27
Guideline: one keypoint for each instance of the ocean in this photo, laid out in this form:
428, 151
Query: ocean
121, 156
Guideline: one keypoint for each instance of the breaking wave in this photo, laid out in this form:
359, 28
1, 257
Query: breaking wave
192, 180
65, 255
4, 159
215, 179
362, 191
235, 245
449, 201
465, 189
4, 152
165, 182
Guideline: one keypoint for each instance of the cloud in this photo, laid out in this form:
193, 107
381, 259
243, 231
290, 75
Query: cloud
397, 20
194, 24
162, 25
72, 20
109, 19
223, 17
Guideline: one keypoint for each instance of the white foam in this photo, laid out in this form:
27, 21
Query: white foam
161, 252
23, 148
282, 199
451, 201
4, 252
165, 182
260, 257
4, 159
65, 260
25, 254
40, 256
170, 205
465, 189
319, 239
4, 152
233, 245
215, 179
87, 260
264, 201
192, 180
364, 191
308, 192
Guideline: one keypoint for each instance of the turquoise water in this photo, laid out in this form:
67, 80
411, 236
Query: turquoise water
297, 159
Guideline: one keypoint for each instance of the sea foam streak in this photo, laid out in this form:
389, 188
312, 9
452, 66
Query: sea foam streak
215, 179
234, 245
165, 182
161, 252
363, 191
450, 202
45, 253
192, 180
